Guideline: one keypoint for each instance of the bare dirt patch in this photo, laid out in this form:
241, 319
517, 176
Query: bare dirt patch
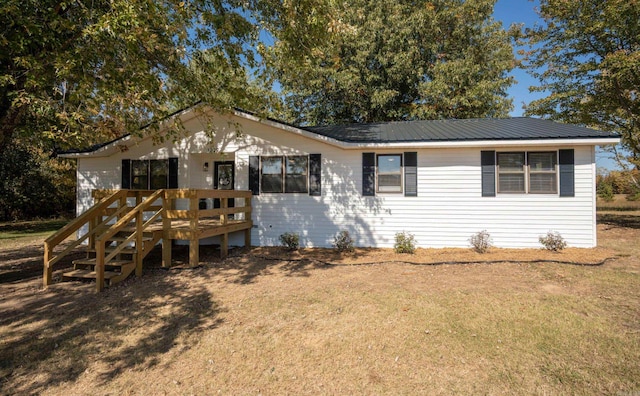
315, 321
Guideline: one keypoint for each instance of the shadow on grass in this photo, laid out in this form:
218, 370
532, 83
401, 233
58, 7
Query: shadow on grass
244, 267
53, 336
620, 220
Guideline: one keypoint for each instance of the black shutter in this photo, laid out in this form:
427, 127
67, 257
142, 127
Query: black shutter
369, 174
254, 174
173, 173
315, 175
488, 163
567, 173
411, 174
126, 174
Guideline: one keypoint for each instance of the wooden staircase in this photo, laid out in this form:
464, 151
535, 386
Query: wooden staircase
119, 236
123, 226
115, 270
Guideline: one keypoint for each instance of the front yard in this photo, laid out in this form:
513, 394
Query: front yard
266, 322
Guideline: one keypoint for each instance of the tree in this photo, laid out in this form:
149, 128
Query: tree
76, 72
397, 60
586, 54
32, 184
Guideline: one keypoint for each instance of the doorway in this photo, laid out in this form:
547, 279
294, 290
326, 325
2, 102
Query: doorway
223, 179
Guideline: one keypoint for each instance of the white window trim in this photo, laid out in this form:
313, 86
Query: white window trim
401, 174
527, 173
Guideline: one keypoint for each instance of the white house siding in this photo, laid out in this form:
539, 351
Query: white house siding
449, 207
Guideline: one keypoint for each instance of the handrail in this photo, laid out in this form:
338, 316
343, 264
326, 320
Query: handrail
86, 236
54, 240
101, 214
137, 213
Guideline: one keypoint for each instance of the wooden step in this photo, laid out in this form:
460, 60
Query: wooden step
88, 274
92, 261
110, 277
119, 238
109, 249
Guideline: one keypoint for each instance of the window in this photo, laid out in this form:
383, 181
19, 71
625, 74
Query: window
139, 175
511, 173
295, 180
159, 170
272, 174
389, 175
149, 174
284, 174
533, 172
542, 173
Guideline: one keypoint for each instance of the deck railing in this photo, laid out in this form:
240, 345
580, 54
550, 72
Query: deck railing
136, 214
94, 218
199, 220
104, 221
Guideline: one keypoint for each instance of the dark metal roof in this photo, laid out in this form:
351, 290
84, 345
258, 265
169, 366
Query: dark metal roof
518, 128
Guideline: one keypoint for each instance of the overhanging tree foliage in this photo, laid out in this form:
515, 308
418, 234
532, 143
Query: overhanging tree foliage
587, 55
397, 60
80, 71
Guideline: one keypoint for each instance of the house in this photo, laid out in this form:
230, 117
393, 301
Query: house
441, 181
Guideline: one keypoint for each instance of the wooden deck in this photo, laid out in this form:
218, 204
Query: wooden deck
131, 222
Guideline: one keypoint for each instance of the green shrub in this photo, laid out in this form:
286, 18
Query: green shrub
405, 243
605, 192
481, 241
290, 240
343, 242
553, 241
635, 196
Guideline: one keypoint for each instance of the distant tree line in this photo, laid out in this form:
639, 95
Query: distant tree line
610, 183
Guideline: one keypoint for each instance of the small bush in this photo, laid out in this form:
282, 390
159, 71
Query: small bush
605, 192
553, 241
343, 242
290, 240
481, 241
633, 197
405, 243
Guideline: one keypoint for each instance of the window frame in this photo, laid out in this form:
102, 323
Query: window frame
400, 173
527, 172
262, 174
522, 172
285, 186
553, 172
148, 168
288, 184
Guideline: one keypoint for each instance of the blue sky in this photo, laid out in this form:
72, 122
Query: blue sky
524, 11
519, 11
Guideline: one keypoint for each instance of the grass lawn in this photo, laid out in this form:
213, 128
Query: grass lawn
262, 322
23, 233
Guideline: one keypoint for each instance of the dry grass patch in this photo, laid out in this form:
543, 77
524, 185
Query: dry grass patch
269, 322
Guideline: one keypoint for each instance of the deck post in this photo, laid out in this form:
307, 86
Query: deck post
48, 270
194, 251
194, 241
247, 217
99, 268
224, 245
224, 238
139, 244
166, 251
166, 225
247, 237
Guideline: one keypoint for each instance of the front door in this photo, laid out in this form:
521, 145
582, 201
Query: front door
223, 179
